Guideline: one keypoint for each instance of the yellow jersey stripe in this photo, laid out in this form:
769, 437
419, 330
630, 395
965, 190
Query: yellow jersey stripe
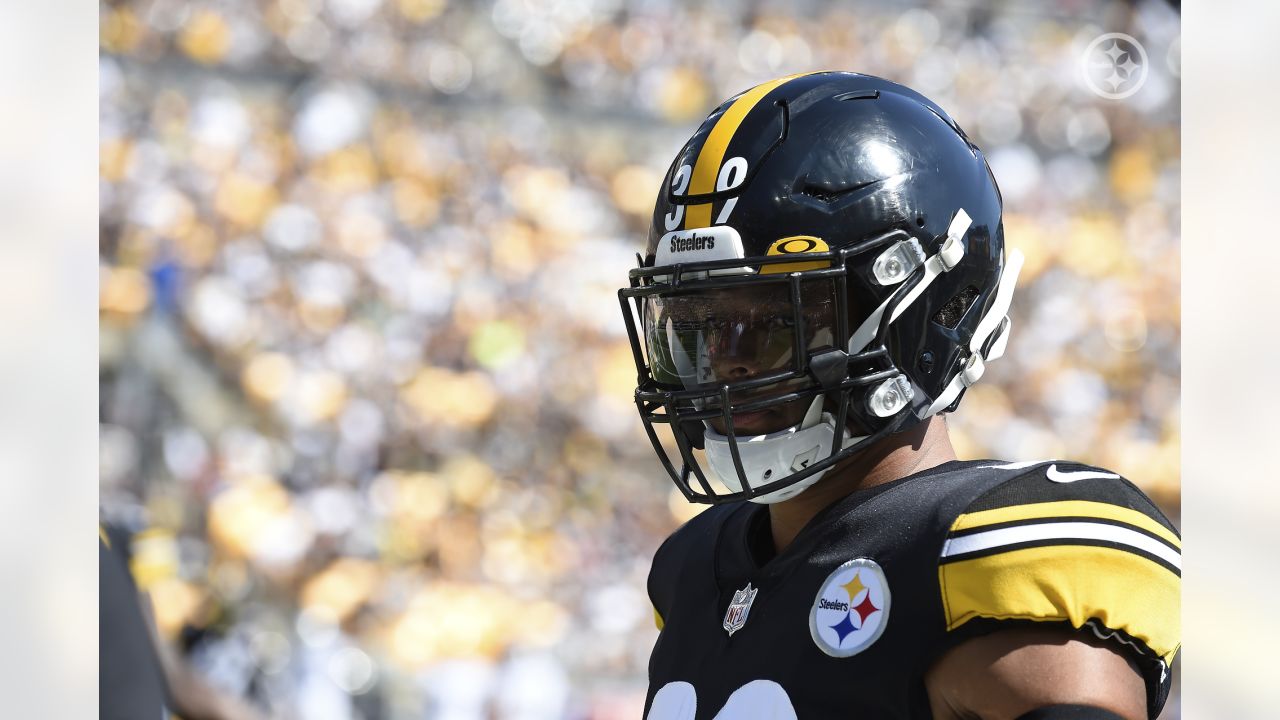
102, 535
1071, 583
711, 155
657, 619
1066, 508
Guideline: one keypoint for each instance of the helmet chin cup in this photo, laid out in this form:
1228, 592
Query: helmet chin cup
771, 457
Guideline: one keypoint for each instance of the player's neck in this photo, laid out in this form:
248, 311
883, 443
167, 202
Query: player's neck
922, 447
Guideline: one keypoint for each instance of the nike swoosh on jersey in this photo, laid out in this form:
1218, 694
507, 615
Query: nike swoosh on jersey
1059, 476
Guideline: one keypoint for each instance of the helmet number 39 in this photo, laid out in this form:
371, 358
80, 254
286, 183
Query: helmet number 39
733, 173
679, 186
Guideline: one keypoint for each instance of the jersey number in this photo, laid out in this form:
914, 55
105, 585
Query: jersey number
757, 700
732, 174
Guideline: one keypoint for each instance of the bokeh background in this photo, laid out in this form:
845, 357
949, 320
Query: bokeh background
364, 387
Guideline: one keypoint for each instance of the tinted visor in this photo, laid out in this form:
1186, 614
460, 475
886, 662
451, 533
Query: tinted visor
711, 337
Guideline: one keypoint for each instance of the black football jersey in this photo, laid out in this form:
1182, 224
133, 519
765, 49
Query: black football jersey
848, 618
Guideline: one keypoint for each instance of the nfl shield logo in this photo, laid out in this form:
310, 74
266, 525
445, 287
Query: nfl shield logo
736, 616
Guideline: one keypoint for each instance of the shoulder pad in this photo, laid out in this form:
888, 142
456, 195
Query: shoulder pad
688, 550
1065, 542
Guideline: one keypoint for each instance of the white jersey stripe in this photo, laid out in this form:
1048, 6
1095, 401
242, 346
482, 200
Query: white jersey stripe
1073, 530
1015, 465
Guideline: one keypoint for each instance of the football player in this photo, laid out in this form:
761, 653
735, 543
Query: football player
825, 276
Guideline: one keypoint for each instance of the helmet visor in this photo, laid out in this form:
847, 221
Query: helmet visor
724, 335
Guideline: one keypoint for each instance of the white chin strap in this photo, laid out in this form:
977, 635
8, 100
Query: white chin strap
771, 457
995, 322
947, 257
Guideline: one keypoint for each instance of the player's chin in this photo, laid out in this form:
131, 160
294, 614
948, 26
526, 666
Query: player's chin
761, 422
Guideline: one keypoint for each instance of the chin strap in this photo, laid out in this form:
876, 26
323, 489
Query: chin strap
989, 338
947, 257
992, 333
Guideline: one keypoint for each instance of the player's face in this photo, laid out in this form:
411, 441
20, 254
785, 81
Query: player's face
710, 338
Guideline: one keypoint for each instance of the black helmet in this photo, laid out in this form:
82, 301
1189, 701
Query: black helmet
825, 267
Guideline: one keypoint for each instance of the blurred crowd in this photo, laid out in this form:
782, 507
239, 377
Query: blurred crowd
365, 388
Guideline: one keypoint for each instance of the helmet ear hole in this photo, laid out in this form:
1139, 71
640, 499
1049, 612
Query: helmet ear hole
950, 314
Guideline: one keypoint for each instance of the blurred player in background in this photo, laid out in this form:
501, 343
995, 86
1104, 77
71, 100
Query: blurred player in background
826, 275
140, 676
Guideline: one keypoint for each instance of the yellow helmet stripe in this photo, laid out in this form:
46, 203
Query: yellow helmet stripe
711, 155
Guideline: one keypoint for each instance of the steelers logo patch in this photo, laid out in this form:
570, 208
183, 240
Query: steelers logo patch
852, 608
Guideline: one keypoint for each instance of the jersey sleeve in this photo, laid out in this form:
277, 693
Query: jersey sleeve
1071, 544
659, 583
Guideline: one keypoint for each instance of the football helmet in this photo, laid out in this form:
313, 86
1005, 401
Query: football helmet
825, 267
